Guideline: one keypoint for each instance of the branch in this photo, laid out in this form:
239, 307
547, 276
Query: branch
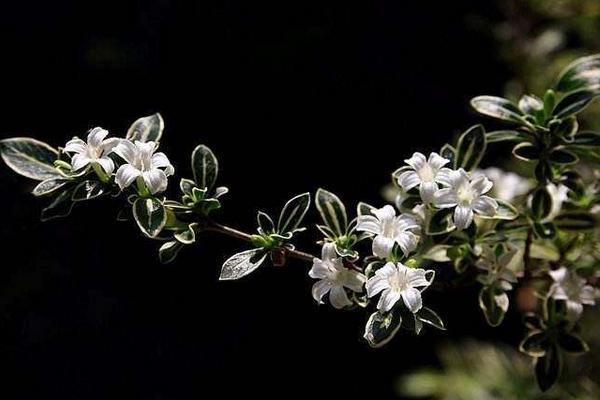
232, 232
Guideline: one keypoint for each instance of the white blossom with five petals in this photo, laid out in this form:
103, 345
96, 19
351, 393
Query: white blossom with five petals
389, 229
334, 278
395, 281
142, 161
467, 195
96, 150
571, 288
426, 173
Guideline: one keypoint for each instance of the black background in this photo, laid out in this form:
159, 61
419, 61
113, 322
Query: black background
291, 96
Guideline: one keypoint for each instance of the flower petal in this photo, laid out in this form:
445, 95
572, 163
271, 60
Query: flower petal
109, 145
319, 269
436, 161
405, 222
485, 205
385, 213
412, 299
126, 150
328, 252
387, 300
416, 161
463, 216
96, 136
320, 289
338, 297
76, 145
443, 176
559, 275
156, 180
126, 174
408, 180
161, 160
481, 184
574, 309
355, 281
407, 241
445, 198
427, 190
382, 246
376, 284
107, 164
368, 223
79, 161
587, 295
417, 277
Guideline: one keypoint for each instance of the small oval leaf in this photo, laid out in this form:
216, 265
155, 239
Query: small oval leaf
381, 328
147, 129
205, 167
150, 215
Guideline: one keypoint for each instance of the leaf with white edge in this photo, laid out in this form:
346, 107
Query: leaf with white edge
430, 317
575, 102
548, 368
60, 207
150, 215
471, 148
147, 129
205, 167
381, 328
242, 264
534, 344
526, 151
30, 158
581, 73
187, 236
505, 136
265, 223
505, 211
168, 251
186, 186
449, 153
438, 253
440, 223
88, 190
220, 191
498, 107
293, 213
364, 209
492, 305
544, 250
575, 221
49, 186
332, 210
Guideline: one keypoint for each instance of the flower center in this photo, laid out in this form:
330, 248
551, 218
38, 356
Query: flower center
94, 152
465, 194
426, 173
398, 282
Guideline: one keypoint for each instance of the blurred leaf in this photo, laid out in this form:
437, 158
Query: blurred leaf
526, 151
471, 148
575, 221
564, 157
581, 73
498, 107
548, 368
534, 344
572, 343
491, 306
541, 203
505, 136
575, 102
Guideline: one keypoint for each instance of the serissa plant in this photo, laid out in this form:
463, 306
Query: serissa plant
498, 229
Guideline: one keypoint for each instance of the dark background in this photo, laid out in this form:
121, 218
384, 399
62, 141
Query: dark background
291, 96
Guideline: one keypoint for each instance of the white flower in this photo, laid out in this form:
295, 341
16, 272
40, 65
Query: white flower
573, 289
425, 173
334, 277
397, 281
466, 195
142, 161
388, 230
507, 185
96, 150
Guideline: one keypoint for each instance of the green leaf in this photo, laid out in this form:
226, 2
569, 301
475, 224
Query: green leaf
332, 210
449, 153
563, 157
169, 251
471, 148
534, 344
586, 139
575, 221
147, 129
575, 102
381, 328
430, 317
498, 107
565, 128
150, 215
293, 213
581, 73
572, 343
545, 230
544, 251
30, 158
186, 186
541, 203
49, 186
548, 368
205, 167
440, 223
505, 136
265, 223
242, 264
491, 305
87, 190
60, 207
531, 104
526, 151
